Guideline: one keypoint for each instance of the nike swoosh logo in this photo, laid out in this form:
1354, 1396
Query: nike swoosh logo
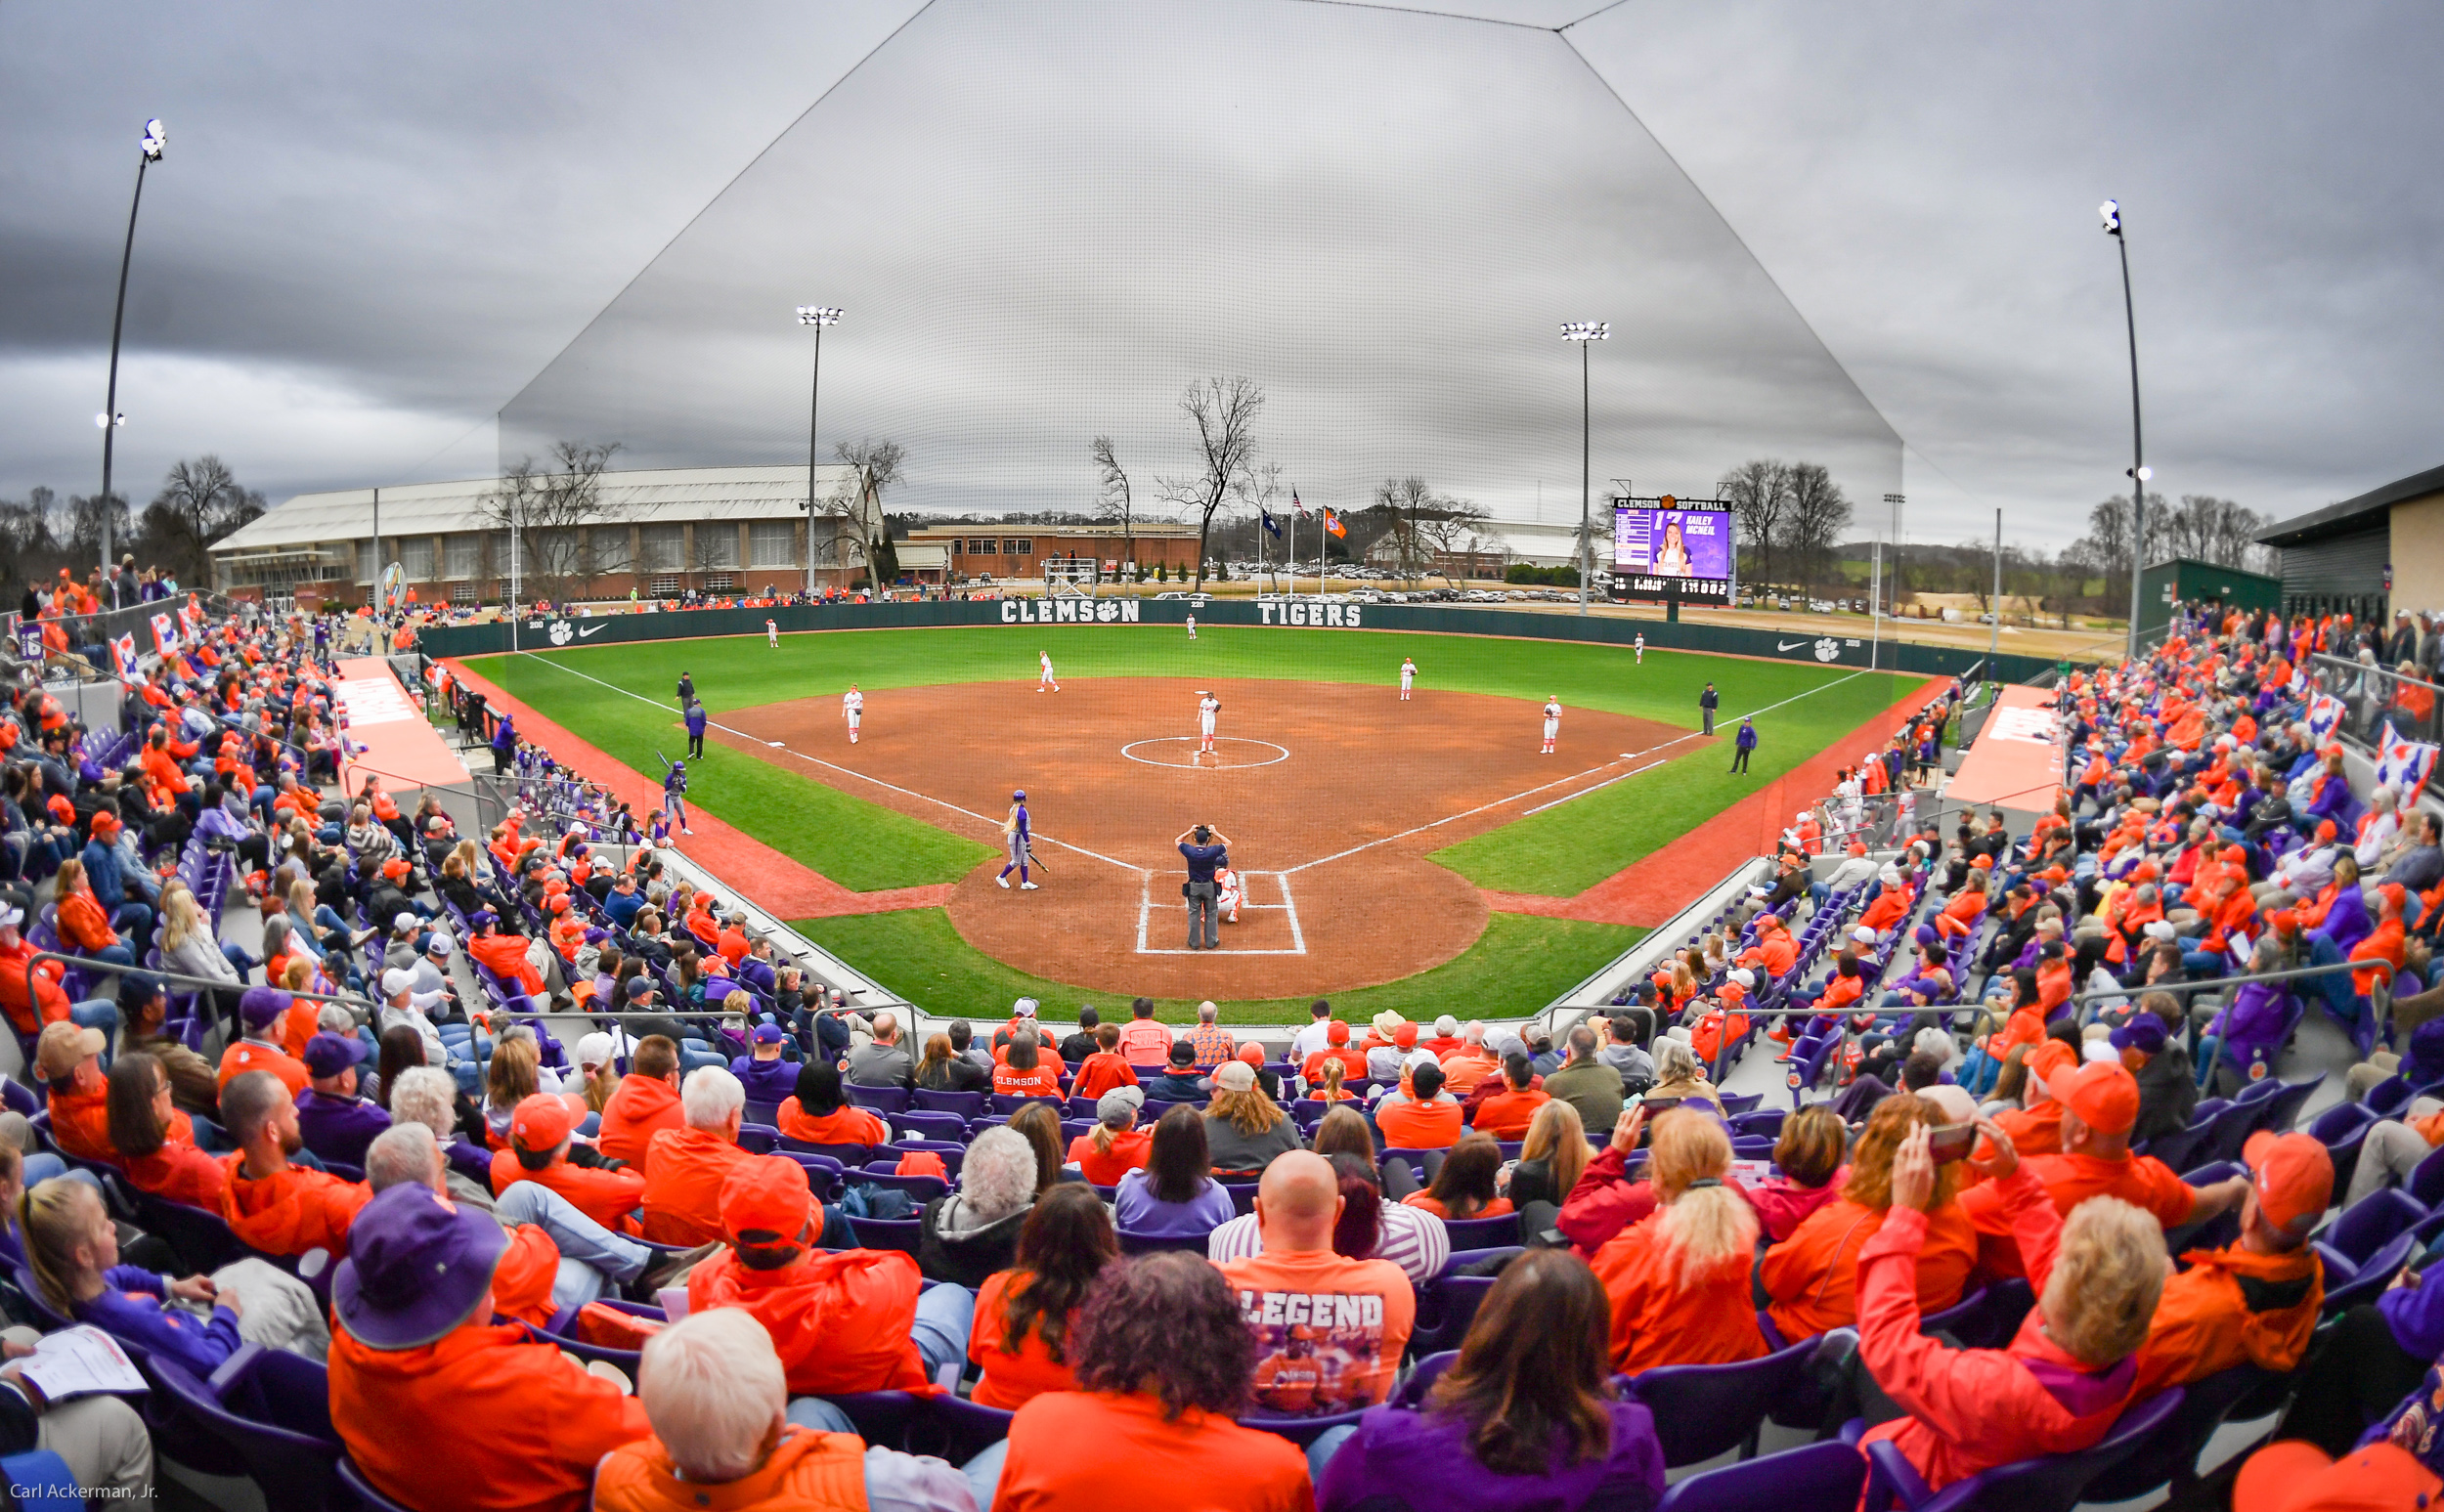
1779, 646
596, 630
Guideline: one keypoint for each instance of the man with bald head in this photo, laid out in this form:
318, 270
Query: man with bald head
1330, 1331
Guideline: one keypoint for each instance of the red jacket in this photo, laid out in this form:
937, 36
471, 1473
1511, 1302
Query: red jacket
1970, 1410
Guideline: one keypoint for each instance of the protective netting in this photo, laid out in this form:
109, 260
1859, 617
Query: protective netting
1044, 220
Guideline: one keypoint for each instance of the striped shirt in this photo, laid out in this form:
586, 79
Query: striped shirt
1413, 1239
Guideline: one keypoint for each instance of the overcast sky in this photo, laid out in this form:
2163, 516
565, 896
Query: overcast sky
372, 235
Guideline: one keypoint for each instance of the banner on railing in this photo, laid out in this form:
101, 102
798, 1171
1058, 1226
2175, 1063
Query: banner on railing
2402, 765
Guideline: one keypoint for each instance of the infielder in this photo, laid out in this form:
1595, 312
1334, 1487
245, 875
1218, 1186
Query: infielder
1013, 829
1552, 723
1641, 644
852, 709
1208, 706
1045, 678
773, 633
1191, 626
1407, 676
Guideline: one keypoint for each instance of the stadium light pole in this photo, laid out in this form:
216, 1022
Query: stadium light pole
1583, 332
818, 317
156, 138
2110, 213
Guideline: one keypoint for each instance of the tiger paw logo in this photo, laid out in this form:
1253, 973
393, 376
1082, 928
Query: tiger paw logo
562, 632
1828, 649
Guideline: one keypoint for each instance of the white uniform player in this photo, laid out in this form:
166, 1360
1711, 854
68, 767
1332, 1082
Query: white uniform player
1227, 894
1641, 643
1045, 679
1407, 676
1552, 723
1208, 706
772, 634
852, 709
1191, 626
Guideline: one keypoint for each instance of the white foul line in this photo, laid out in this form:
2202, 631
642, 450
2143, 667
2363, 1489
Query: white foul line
1583, 792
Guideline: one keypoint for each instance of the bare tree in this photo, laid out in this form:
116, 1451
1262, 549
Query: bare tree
1758, 492
1224, 411
857, 503
1399, 504
2108, 541
1453, 529
1115, 502
549, 509
1818, 514
199, 503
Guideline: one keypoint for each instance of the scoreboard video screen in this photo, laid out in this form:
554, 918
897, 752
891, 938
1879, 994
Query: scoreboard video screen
1661, 551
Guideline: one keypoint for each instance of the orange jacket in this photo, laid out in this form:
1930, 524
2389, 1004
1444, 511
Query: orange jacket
1506, 1115
637, 1109
83, 924
247, 1056
178, 1170
2204, 1324
1353, 1065
2384, 943
1102, 1071
1658, 1320
2071, 1180
1775, 950
608, 1197
81, 1121
505, 955
521, 1284
1891, 907
1812, 1276
810, 1472
1408, 1124
293, 1210
683, 1185
49, 1006
789, 1302
2033, 1131
546, 1424
846, 1125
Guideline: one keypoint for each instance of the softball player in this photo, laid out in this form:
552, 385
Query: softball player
1208, 706
852, 709
1014, 835
1552, 723
773, 633
1407, 676
672, 806
1191, 626
1045, 679
1641, 644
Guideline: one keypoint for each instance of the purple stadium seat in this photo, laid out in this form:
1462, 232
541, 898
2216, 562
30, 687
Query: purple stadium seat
1817, 1478
2049, 1483
1702, 1410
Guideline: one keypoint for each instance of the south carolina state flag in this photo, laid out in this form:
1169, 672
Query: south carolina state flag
2325, 712
2402, 765
165, 633
123, 652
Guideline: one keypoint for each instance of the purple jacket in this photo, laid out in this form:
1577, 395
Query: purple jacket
2258, 1017
339, 1128
2346, 921
2416, 1314
765, 1081
1423, 1459
1135, 1208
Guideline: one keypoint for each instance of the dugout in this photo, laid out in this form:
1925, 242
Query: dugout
2189, 581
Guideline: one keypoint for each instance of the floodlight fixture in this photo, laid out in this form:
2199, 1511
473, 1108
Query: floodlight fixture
156, 136
2141, 473
2110, 213
819, 314
104, 421
1586, 330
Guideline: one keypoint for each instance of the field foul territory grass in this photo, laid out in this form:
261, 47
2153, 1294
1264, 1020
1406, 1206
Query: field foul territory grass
1517, 965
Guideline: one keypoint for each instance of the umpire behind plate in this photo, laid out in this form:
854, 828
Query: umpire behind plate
1205, 849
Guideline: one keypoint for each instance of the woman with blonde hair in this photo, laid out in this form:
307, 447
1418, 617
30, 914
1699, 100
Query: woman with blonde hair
509, 1078
1678, 1279
1812, 1277
1328, 1089
2058, 1386
1679, 1073
1244, 1128
1552, 1160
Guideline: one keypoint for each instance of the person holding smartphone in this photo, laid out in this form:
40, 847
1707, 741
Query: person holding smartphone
1811, 1279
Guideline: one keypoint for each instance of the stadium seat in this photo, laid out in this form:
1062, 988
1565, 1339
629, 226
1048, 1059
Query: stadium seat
880, 1100
2171, 1457
1816, 1477
2048, 1484
363, 1489
1133, 1243
1703, 1410
297, 1467
40, 1478
965, 1104
1482, 1233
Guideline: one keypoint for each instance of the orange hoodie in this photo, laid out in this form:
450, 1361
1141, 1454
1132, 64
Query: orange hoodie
642, 1107
290, 1212
2206, 1323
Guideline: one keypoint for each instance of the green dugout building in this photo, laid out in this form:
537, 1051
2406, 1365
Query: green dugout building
2192, 581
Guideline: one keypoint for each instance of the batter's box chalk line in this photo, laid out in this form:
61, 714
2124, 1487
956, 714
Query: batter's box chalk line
1193, 762
1287, 905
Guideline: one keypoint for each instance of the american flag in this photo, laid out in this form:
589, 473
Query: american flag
1295, 504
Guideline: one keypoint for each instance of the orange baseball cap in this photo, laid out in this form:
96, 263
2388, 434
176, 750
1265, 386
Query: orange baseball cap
540, 1122
767, 1196
2295, 1475
2103, 1095
2049, 1060
1336, 1033
1981, 863
2293, 1176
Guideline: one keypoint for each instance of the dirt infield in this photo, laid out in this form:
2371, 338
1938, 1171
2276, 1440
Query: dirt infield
1330, 793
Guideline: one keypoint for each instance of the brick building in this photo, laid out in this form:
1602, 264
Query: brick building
1003, 550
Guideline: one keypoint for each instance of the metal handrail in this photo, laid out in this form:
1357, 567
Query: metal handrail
2380, 1001
179, 980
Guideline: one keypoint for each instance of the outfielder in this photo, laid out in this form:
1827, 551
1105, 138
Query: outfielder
1641, 644
1552, 723
1191, 626
852, 709
1407, 676
1045, 679
773, 633
1208, 706
1014, 832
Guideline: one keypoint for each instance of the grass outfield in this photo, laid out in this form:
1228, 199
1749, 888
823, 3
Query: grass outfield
1517, 965
862, 845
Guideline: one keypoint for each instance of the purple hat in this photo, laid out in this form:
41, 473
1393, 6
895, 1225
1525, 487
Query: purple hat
259, 1006
329, 1055
768, 1034
2144, 1030
418, 1264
